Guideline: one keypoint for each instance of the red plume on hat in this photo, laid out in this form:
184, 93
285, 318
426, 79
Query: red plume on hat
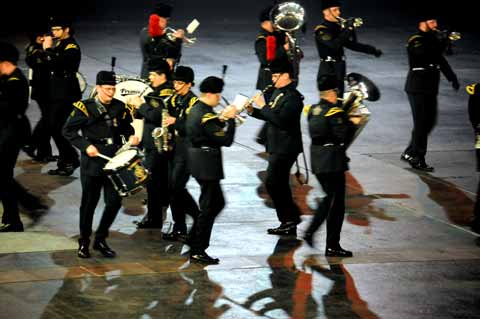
154, 26
271, 48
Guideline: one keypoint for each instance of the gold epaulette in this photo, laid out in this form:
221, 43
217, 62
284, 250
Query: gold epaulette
333, 111
306, 109
192, 102
209, 116
79, 105
320, 26
130, 108
261, 37
167, 92
173, 100
471, 88
71, 46
413, 37
13, 79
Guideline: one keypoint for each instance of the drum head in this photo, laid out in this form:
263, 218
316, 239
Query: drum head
131, 87
121, 160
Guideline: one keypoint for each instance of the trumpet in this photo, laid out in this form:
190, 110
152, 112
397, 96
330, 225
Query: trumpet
451, 35
357, 22
170, 35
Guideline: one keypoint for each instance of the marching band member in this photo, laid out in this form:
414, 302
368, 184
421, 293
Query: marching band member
206, 134
103, 121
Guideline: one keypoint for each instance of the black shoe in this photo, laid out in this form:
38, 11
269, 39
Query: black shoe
203, 258
420, 165
83, 251
405, 157
6, 228
288, 228
101, 246
148, 223
175, 236
337, 252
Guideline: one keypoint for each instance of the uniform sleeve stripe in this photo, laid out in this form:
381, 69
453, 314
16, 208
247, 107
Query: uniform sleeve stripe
333, 111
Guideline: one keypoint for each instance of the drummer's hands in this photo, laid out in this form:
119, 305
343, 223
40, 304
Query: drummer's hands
259, 100
169, 120
135, 100
92, 151
134, 140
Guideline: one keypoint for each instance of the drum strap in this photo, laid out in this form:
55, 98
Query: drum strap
103, 113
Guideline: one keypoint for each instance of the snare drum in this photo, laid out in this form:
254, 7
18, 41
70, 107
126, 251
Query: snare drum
127, 172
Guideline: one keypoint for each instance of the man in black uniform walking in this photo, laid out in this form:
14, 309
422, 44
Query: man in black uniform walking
329, 129
331, 37
425, 58
206, 134
14, 132
474, 114
156, 160
62, 59
284, 143
103, 121
179, 107
155, 41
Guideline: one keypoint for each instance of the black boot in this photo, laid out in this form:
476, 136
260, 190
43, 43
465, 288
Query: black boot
101, 246
203, 258
288, 228
337, 251
175, 235
16, 227
83, 251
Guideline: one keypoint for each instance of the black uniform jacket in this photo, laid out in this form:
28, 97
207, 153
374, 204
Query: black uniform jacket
264, 75
179, 106
206, 134
14, 125
329, 126
151, 111
63, 62
283, 116
426, 60
163, 47
35, 58
104, 130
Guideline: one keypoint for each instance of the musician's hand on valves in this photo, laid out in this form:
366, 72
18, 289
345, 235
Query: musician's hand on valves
179, 34
134, 140
229, 112
259, 100
92, 151
135, 100
47, 42
169, 120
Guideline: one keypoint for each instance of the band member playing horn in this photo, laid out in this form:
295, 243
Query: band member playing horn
156, 158
331, 36
425, 57
104, 122
62, 57
156, 42
207, 132
329, 128
284, 143
179, 107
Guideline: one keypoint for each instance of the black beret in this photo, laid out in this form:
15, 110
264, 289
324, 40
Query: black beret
281, 66
60, 21
265, 14
327, 82
183, 73
8, 52
163, 10
211, 84
106, 78
326, 4
158, 65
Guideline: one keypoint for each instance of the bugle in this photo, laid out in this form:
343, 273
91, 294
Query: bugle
356, 22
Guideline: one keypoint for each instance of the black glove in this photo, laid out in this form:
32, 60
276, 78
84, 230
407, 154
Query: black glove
455, 84
377, 53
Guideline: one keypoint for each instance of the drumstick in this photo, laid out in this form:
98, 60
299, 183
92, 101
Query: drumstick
104, 157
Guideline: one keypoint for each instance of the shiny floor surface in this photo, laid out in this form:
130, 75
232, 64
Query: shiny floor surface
414, 256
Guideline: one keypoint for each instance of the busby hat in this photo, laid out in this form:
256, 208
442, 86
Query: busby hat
211, 84
8, 52
60, 21
327, 82
158, 65
183, 73
162, 10
281, 66
106, 78
265, 14
326, 4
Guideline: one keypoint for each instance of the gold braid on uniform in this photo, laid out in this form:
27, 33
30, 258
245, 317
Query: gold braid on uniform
471, 88
209, 116
333, 111
80, 106
192, 102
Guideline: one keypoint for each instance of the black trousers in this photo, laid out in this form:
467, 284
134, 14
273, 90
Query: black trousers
91, 189
211, 204
8, 195
424, 112
332, 207
337, 69
158, 195
57, 115
278, 186
181, 200
40, 139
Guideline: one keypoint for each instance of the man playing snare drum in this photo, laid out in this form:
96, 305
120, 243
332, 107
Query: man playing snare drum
103, 122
